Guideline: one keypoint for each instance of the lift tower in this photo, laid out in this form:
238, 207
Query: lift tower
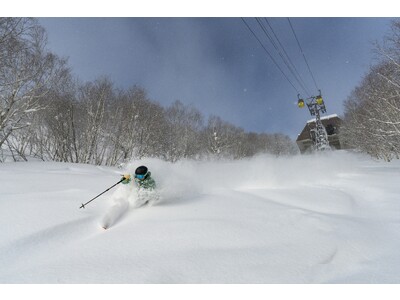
319, 136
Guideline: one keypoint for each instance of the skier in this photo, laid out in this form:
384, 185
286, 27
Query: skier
143, 179
126, 197
146, 193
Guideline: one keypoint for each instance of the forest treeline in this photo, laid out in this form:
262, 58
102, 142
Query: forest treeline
47, 113
372, 111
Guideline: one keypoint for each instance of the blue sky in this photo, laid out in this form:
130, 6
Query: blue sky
217, 65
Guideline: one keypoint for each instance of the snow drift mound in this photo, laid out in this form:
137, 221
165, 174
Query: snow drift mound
304, 219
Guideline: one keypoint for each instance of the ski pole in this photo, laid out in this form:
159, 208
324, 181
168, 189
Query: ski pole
83, 205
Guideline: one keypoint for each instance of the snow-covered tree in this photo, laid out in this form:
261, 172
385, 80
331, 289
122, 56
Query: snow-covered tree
222, 138
372, 111
184, 126
27, 72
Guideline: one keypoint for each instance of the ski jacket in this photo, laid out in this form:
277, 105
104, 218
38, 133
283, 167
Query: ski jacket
147, 183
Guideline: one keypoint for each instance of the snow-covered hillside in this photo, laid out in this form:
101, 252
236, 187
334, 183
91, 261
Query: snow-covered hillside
331, 218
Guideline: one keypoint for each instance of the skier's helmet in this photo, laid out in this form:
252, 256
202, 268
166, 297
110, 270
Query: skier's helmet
141, 172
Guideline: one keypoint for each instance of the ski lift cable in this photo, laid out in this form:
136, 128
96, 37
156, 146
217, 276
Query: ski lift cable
302, 52
284, 59
269, 54
287, 56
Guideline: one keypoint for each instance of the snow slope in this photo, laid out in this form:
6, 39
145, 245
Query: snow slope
331, 218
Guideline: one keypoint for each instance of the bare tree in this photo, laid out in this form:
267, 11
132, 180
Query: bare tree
27, 72
139, 127
94, 103
372, 111
372, 116
184, 126
222, 138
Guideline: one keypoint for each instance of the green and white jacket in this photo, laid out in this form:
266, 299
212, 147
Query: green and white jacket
147, 183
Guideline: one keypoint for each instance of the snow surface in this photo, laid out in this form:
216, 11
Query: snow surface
331, 218
324, 118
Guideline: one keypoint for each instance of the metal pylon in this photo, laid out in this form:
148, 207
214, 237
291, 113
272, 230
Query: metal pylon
321, 137
315, 106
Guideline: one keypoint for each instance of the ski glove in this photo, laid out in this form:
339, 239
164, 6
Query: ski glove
127, 178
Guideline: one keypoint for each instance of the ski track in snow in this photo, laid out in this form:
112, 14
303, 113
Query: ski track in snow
259, 226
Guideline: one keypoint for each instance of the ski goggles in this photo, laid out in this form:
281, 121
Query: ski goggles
140, 176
